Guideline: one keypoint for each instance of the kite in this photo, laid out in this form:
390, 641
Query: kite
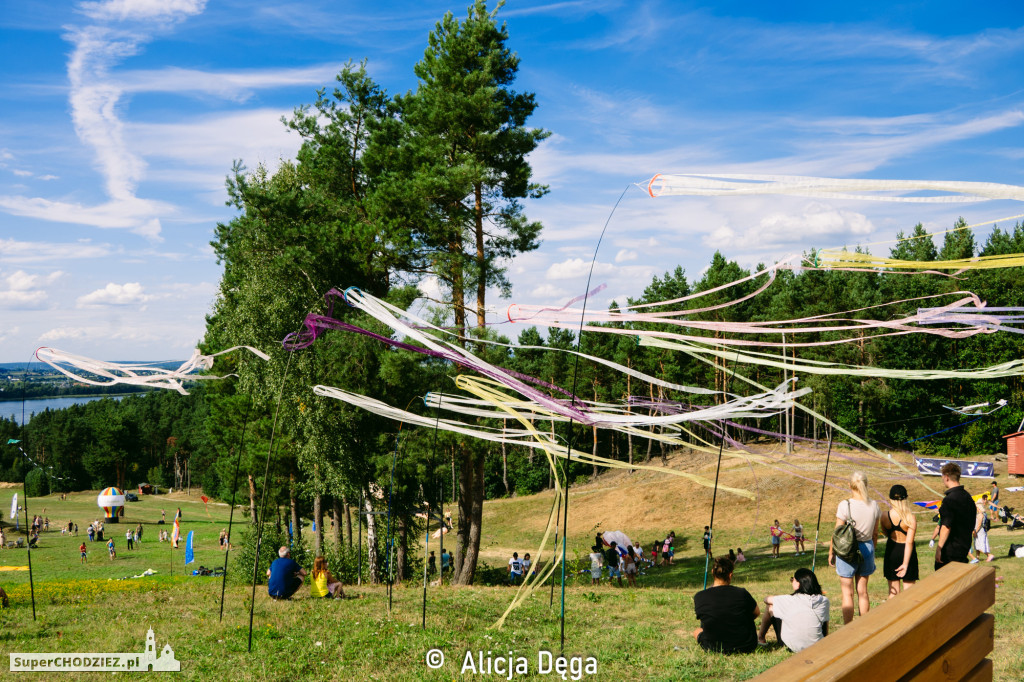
147, 375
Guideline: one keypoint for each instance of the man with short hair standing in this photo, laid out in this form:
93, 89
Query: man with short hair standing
956, 519
285, 575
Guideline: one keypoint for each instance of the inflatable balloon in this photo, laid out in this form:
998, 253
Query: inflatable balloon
110, 501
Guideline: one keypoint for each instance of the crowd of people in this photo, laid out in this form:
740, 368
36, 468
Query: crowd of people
728, 613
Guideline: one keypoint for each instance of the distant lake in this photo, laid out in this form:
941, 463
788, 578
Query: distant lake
9, 408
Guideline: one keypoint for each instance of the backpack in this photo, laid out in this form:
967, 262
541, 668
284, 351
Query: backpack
844, 540
986, 524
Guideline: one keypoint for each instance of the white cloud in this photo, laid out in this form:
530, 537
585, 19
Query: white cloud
625, 255
232, 85
49, 176
577, 267
22, 290
22, 173
130, 293
121, 10
814, 223
204, 144
29, 252
549, 293
130, 213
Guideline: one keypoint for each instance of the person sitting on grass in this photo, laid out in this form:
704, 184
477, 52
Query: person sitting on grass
324, 584
726, 613
799, 619
284, 575
82, 551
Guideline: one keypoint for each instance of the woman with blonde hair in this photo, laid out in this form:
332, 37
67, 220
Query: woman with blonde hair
899, 527
863, 514
324, 584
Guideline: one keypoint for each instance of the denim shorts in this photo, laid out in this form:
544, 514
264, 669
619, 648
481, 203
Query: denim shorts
866, 566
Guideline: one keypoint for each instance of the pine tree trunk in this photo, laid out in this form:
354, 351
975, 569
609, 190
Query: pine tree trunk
504, 459
372, 563
348, 520
336, 515
467, 541
401, 565
293, 501
252, 499
318, 520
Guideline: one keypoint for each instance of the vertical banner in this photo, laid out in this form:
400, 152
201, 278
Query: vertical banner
14, 506
176, 531
189, 554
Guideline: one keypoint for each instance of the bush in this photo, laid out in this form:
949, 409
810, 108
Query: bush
245, 553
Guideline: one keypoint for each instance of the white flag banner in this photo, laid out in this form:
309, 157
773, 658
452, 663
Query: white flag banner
14, 506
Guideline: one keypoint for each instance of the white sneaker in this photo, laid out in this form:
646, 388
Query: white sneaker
973, 561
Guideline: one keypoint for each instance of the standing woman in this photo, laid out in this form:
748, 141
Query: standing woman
863, 514
798, 536
899, 527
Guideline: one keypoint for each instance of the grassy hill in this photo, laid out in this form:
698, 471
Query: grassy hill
640, 634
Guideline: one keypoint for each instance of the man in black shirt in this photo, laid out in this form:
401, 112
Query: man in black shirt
956, 519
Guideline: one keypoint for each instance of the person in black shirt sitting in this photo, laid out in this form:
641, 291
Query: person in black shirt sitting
727, 613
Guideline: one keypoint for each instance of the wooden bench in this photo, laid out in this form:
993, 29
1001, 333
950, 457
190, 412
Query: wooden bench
936, 630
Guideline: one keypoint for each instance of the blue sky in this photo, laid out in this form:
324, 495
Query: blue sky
119, 120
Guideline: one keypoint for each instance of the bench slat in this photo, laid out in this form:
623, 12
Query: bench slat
960, 655
891, 639
983, 672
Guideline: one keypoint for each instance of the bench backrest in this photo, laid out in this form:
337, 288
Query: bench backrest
936, 630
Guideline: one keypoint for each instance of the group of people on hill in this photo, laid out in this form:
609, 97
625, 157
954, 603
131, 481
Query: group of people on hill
727, 613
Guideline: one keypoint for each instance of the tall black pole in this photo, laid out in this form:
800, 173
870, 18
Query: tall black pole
24, 492
390, 542
28, 529
718, 470
231, 515
572, 431
263, 498
824, 479
426, 546
359, 518
558, 515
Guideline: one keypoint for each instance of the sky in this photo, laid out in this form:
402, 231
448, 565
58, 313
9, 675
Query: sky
120, 119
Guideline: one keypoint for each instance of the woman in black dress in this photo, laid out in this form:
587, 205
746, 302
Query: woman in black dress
899, 527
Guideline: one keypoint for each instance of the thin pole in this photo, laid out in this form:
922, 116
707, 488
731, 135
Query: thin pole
231, 515
263, 498
714, 496
426, 546
828, 455
575, 375
558, 515
565, 519
28, 529
359, 518
390, 543
24, 491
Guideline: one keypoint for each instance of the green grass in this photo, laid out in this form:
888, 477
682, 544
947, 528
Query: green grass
634, 634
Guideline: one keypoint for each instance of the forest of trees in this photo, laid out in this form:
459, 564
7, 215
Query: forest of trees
387, 190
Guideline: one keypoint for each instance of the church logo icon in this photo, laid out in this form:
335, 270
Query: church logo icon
164, 661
